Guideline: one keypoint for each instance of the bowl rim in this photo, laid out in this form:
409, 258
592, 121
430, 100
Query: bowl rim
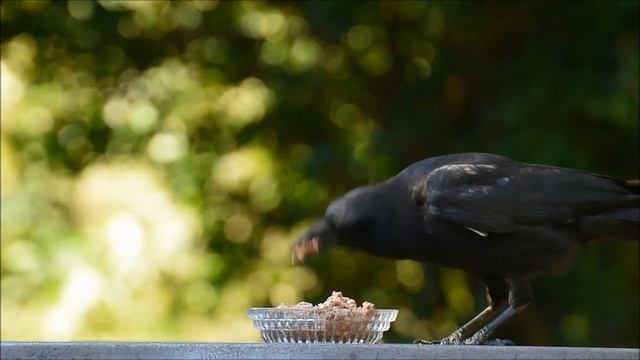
312, 308
252, 310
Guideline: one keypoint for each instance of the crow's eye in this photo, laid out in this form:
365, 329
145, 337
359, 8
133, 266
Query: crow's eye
331, 221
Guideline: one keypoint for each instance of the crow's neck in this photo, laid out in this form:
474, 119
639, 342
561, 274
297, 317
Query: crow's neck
397, 230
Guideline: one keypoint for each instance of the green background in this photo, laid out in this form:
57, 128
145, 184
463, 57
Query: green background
158, 159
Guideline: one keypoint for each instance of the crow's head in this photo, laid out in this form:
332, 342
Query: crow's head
347, 221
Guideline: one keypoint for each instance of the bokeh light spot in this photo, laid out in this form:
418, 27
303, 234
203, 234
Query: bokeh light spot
360, 37
305, 53
188, 16
263, 24
116, 112
36, 121
274, 52
200, 296
574, 328
166, 147
283, 293
410, 275
345, 115
12, 87
245, 103
376, 61
238, 228
205, 5
82, 289
236, 170
80, 9
143, 117
126, 240
455, 289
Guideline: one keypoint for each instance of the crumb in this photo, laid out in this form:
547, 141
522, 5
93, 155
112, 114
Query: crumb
303, 304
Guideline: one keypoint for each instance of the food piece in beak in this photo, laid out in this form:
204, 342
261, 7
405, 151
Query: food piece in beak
304, 248
320, 236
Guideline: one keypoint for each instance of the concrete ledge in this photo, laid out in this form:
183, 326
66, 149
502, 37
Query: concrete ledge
175, 350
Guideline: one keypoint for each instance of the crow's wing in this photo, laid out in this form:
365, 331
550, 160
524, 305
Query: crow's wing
495, 199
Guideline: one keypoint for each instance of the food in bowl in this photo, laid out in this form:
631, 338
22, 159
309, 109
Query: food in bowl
339, 319
336, 301
344, 318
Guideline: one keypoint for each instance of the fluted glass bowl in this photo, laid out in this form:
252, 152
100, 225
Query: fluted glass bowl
313, 325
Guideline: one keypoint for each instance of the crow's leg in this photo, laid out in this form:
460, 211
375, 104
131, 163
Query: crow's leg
483, 334
464, 331
519, 298
497, 293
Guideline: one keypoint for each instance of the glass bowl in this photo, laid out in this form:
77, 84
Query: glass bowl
313, 325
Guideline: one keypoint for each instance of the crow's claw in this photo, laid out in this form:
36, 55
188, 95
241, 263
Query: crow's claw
450, 341
426, 342
499, 342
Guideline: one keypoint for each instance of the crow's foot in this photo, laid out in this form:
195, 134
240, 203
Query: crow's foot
451, 340
471, 341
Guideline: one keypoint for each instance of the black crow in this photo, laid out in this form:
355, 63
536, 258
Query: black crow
501, 219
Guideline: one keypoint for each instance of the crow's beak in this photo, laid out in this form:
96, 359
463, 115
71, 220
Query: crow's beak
317, 237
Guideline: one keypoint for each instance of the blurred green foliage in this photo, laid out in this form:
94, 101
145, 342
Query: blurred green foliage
158, 158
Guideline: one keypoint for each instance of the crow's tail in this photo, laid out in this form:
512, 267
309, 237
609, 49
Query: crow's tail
619, 223
632, 185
